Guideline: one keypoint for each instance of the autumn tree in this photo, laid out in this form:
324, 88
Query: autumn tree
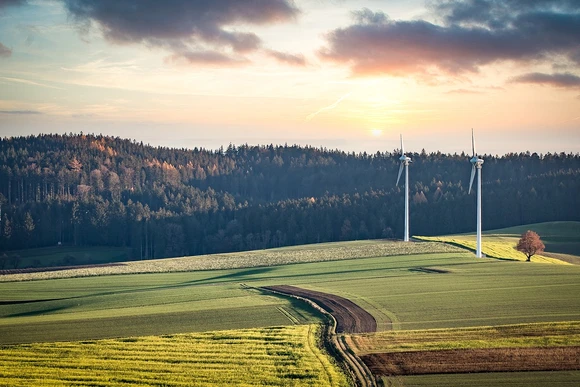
530, 244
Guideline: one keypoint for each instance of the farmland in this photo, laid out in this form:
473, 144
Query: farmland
448, 294
267, 356
64, 256
322, 252
524, 347
408, 292
562, 240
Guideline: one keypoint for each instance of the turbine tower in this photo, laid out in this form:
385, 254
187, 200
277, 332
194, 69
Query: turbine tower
405, 163
476, 163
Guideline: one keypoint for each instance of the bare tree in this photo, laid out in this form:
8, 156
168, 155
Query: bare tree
530, 244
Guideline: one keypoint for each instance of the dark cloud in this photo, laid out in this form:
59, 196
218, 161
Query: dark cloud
20, 112
284, 57
496, 13
474, 33
6, 3
207, 58
193, 27
5, 52
565, 80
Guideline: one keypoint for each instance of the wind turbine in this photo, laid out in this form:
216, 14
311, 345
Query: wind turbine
405, 163
476, 163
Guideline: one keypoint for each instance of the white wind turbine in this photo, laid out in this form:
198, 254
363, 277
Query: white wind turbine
476, 164
405, 163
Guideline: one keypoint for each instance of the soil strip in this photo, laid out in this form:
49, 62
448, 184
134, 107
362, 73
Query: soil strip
474, 360
350, 318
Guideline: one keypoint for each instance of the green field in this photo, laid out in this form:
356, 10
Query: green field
65, 256
269, 356
502, 336
413, 289
322, 252
562, 241
400, 291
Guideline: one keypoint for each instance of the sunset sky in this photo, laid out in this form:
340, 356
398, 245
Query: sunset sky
343, 74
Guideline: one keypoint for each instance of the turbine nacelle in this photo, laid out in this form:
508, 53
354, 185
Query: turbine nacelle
475, 161
405, 159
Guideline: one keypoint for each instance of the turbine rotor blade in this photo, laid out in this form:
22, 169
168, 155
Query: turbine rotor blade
471, 179
400, 172
472, 142
402, 148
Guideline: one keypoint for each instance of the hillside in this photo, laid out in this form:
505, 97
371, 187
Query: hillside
87, 190
562, 241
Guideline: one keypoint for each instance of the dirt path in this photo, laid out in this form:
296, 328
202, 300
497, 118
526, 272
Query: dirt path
353, 319
350, 318
474, 360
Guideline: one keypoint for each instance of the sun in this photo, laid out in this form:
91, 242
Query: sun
376, 132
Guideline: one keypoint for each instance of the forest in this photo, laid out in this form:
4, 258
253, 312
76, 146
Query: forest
94, 190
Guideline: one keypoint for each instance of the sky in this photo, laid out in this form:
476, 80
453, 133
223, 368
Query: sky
341, 74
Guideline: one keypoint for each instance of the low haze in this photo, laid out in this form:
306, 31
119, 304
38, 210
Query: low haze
339, 74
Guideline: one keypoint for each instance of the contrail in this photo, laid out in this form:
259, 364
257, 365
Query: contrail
30, 82
330, 107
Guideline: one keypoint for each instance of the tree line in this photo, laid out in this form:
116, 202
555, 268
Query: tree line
94, 190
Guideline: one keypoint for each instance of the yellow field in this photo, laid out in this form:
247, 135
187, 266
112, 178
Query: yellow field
270, 356
494, 246
554, 334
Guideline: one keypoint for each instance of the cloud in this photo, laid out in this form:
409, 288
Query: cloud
6, 3
20, 112
463, 91
564, 80
29, 82
5, 52
474, 33
206, 58
191, 29
326, 108
496, 13
284, 57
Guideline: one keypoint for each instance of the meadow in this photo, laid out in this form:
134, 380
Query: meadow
562, 241
253, 357
554, 334
322, 252
65, 256
409, 291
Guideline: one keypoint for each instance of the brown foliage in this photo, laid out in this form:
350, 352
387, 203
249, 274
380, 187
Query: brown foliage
530, 244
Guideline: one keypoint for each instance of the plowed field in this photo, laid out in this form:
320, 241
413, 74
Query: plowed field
350, 318
474, 360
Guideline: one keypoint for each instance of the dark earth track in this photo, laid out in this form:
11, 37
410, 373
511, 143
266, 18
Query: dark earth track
350, 318
473, 360
347, 317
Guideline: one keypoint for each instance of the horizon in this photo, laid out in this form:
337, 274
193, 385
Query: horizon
394, 151
348, 75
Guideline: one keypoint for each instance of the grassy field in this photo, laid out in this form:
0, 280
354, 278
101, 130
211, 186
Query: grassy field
413, 289
401, 292
148, 304
502, 336
562, 240
279, 356
323, 252
65, 256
